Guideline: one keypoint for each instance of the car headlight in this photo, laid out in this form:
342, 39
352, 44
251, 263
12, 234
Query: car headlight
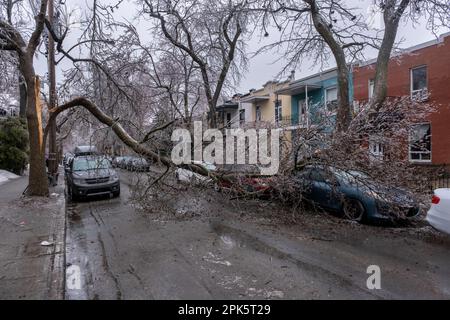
78, 181
114, 177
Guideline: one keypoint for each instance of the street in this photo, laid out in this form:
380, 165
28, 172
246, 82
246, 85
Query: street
243, 251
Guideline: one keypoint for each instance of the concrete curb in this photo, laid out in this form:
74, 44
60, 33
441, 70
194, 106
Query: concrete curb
56, 273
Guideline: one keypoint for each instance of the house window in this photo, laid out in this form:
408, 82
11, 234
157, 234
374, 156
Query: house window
420, 143
331, 98
242, 116
278, 111
371, 88
376, 150
258, 113
419, 86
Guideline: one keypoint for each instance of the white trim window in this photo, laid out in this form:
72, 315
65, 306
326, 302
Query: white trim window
278, 111
241, 116
420, 143
258, 113
419, 83
331, 98
371, 88
376, 150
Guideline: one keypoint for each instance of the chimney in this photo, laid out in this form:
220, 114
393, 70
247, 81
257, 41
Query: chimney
292, 76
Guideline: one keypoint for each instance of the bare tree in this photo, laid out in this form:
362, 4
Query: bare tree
17, 37
210, 33
318, 29
314, 28
437, 14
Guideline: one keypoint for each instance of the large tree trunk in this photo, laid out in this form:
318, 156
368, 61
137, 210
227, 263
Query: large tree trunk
38, 181
344, 109
23, 98
381, 74
391, 16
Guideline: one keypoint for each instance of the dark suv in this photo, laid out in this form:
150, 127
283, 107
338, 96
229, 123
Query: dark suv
91, 176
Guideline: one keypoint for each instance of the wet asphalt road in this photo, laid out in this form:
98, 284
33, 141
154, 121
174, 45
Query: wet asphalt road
116, 252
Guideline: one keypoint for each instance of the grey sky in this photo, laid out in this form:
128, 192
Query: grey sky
263, 67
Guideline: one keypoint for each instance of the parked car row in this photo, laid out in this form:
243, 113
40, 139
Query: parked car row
131, 163
351, 193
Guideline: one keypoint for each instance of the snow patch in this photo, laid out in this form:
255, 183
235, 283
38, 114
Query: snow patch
5, 176
210, 257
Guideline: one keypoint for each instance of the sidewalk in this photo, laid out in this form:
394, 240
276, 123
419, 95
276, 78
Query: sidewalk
29, 270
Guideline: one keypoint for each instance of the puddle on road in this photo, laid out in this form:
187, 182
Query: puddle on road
76, 259
227, 241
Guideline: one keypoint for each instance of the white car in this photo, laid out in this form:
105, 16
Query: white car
439, 214
186, 175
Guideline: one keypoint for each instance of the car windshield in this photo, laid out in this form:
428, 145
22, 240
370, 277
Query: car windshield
85, 164
351, 176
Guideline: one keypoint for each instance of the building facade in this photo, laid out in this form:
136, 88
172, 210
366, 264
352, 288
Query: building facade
264, 107
313, 99
422, 72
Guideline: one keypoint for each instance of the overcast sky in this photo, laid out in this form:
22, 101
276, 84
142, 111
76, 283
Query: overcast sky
264, 67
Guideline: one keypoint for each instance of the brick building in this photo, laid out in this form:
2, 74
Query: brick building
420, 71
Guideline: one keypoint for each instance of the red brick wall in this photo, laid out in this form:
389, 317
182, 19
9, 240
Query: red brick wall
437, 59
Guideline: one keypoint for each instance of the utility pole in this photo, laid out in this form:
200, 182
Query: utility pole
52, 147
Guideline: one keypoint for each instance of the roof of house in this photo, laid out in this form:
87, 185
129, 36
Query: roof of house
417, 47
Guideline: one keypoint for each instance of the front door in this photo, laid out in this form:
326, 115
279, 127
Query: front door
228, 121
302, 112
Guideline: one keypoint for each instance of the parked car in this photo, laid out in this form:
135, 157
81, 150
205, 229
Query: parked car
91, 176
67, 157
186, 175
116, 162
255, 186
247, 180
354, 194
439, 214
138, 164
122, 162
85, 151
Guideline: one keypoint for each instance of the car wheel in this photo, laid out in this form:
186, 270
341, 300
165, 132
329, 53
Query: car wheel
116, 194
354, 210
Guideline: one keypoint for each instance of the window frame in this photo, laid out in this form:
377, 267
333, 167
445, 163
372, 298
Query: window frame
278, 111
420, 152
241, 119
326, 98
379, 153
371, 89
411, 82
258, 114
